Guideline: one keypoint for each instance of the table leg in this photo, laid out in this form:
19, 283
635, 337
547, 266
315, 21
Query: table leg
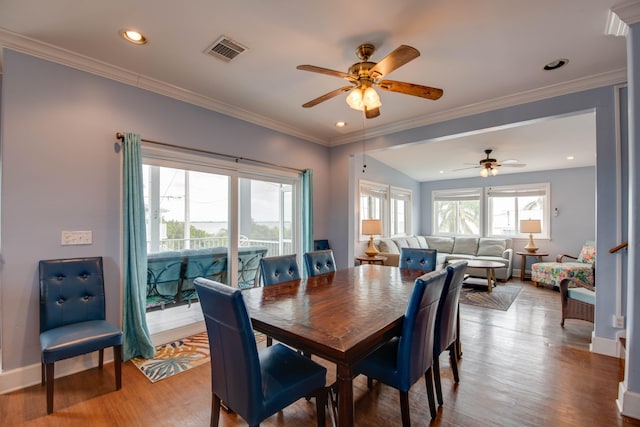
523, 267
344, 382
489, 278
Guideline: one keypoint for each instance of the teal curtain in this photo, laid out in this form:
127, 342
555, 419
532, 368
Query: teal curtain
136, 338
307, 210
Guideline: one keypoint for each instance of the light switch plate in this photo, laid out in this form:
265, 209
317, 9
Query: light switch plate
76, 238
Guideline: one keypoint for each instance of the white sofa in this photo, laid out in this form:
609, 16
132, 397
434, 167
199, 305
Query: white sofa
453, 248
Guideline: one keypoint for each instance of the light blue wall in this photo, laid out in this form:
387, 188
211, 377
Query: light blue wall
573, 193
60, 172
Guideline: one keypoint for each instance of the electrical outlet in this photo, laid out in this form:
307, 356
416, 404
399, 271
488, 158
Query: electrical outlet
76, 238
618, 321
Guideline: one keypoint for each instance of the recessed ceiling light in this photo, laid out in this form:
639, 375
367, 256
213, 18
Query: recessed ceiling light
570, 157
133, 36
441, 171
555, 64
341, 124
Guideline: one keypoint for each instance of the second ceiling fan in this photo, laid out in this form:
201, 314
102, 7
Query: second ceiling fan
364, 75
490, 165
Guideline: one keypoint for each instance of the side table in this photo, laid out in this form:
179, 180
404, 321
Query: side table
378, 259
523, 261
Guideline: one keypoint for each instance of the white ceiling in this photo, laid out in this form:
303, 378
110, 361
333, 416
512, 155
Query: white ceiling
484, 54
540, 145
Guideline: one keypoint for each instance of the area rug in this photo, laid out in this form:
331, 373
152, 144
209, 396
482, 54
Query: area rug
178, 356
500, 298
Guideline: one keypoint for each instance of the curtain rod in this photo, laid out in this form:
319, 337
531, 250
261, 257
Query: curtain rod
120, 136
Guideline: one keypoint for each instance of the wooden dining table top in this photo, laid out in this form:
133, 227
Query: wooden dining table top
339, 316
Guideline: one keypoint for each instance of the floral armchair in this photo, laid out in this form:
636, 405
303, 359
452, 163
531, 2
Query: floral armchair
581, 270
576, 281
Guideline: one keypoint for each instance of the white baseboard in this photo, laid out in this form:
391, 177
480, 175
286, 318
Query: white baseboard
177, 333
605, 346
26, 376
628, 402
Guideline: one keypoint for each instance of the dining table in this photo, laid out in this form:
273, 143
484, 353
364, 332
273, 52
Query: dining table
341, 317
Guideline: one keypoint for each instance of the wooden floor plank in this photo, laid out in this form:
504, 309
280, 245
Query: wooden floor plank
519, 368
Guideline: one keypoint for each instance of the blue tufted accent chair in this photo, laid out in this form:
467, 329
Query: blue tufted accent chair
447, 326
418, 259
278, 269
72, 316
253, 384
403, 360
319, 262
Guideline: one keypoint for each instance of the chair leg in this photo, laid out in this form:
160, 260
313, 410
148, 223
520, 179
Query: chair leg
436, 378
404, 408
269, 341
49, 375
321, 402
42, 373
453, 360
100, 358
117, 365
369, 383
428, 379
215, 410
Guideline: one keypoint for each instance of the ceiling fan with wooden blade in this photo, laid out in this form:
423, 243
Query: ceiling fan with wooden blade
491, 165
366, 75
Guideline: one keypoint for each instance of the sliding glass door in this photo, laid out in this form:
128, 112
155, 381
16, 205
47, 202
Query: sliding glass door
204, 220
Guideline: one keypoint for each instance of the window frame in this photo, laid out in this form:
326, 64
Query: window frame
521, 190
457, 194
386, 194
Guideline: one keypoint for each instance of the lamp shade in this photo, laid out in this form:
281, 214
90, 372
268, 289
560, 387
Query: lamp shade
371, 227
530, 226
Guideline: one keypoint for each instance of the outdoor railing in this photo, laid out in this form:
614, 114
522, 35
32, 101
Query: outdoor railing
274, 247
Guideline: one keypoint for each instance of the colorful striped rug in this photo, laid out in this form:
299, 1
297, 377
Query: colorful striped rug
177, 356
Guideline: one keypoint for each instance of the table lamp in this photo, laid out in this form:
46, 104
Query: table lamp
530, 226
371, 227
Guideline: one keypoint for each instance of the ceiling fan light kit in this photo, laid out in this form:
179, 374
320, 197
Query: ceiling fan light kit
491, 166
364, 75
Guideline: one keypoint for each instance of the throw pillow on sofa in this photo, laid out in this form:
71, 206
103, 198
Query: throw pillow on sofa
491, 247
466, 245
388, 246
441, 244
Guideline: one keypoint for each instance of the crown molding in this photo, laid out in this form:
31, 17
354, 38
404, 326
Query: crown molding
74, 60
577, 85
628, 12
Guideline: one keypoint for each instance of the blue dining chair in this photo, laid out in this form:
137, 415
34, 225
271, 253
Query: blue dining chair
319, 262
447, 324
403, 360
254, 384
278, 269
72, 317
418, 258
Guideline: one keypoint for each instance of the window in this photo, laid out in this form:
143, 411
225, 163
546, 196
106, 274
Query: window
507, 205
400, 214
457, 211
391, 205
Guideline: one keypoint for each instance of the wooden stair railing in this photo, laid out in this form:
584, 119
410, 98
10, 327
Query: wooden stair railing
619, 247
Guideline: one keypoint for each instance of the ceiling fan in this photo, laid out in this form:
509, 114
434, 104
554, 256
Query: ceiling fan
364, 75
490, 165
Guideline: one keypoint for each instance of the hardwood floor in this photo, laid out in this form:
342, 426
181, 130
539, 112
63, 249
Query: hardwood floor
519, 368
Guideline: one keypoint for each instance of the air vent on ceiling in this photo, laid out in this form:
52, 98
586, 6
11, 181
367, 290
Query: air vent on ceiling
225, 49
